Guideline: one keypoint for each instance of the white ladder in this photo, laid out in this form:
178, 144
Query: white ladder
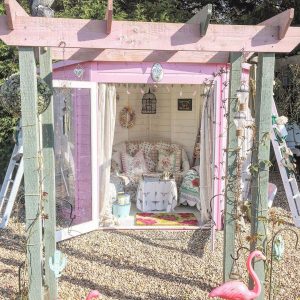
289, 180
10, 186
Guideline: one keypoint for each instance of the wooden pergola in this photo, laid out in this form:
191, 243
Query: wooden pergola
196, 41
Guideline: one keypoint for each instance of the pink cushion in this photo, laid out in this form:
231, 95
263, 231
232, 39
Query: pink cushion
134, 164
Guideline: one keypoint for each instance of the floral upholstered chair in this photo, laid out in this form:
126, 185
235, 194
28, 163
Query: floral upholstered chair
130, 160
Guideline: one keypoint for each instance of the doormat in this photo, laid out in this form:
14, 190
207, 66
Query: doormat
166, 219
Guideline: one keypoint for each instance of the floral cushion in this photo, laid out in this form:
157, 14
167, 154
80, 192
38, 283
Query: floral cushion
189, 189
134, 164
150, 155
171, 148
166, 161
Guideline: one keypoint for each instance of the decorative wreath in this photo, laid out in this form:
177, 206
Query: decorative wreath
10, 95
127, 117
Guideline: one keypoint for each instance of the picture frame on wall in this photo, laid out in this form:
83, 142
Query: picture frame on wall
185, 104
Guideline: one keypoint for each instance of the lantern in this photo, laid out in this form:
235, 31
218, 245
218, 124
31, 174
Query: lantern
278, 248
149, 103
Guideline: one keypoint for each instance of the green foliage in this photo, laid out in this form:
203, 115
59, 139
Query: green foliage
287, 93
8, 65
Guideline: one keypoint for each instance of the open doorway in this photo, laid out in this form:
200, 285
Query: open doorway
156, 156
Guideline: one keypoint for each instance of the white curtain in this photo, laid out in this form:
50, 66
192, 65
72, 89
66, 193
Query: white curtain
206, 156
106, 128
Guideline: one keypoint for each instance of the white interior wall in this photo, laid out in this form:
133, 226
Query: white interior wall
168, 124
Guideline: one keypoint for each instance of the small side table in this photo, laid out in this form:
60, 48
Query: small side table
158, 195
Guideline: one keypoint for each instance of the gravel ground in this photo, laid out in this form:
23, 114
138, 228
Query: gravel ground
134, 265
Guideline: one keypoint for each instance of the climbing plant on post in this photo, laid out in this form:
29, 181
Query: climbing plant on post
260, 158
231, 165
32, 167
48, 171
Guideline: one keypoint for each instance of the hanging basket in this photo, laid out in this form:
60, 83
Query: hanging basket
127, 117
10, 95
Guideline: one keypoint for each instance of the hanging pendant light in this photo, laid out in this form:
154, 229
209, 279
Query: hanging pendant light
149, 103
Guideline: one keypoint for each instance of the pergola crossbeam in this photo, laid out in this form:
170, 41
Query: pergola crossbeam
77, 33
202, 18
109, 16
282, 20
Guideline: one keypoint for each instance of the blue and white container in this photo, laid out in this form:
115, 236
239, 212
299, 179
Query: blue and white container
121, 208
121, 211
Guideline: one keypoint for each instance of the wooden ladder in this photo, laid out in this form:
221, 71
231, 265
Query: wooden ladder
288, 177
10, 186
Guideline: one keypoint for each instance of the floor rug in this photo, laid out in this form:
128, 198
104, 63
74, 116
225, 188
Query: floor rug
166, 219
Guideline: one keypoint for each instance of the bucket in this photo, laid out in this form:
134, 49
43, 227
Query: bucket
121, 210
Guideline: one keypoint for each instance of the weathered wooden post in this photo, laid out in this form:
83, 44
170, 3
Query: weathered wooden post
231, 165
47, 119
261, 154
32, 168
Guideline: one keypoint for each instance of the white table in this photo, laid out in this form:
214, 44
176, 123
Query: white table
158, 195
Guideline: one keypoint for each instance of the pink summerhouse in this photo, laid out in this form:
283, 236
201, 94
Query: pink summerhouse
195, 81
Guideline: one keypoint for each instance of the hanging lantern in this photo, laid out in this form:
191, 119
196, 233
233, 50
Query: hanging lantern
149, 103
278, 248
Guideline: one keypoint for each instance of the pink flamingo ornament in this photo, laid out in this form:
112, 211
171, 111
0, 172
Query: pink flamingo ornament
92, 295
237, 290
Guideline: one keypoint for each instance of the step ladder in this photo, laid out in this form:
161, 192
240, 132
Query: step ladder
11, 184
288, 177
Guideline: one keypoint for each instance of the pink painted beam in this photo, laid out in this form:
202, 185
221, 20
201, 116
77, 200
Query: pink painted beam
13, 9
75, 33
282, 20
109, 16
119, 55
141, 73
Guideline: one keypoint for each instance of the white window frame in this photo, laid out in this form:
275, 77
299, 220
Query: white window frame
86, 227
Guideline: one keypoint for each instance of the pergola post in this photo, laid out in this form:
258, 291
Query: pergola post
32, 168
231, 166
47, 119
261, 154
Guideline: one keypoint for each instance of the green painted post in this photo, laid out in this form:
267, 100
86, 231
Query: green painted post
259, 189
231, 166
28, 85
47, 119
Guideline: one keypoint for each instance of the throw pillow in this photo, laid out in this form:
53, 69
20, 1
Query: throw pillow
166, 161
149, 153
134, 164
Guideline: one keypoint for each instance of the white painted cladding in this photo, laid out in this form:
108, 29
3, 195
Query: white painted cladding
168, 124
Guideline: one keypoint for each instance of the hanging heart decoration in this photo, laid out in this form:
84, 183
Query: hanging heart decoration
79, 71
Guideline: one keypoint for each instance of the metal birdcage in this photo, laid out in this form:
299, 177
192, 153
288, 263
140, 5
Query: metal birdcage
149, 103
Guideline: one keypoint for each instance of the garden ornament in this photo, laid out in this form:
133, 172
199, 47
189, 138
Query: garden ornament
92, 295
238, 290
57, 263
278, 248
